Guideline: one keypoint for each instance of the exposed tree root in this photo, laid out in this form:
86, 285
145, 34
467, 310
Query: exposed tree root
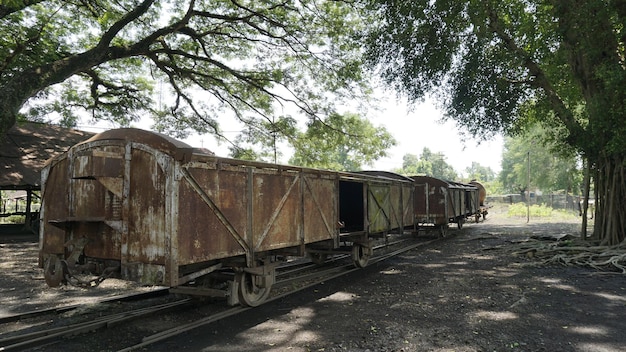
568, 250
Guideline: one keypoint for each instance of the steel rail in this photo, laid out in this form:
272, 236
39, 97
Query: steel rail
48, 336
334, 272
42, 337
63, 309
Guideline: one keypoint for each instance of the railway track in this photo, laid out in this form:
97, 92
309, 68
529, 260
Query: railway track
53, 335
291, 278
67, 308
311, 280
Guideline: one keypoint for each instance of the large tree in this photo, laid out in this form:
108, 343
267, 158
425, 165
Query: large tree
480, 173
361, 143
264, 140
498, 66
548, 172
186, 64
429, 164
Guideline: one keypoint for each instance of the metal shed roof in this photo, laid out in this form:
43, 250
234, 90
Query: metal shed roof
25, 149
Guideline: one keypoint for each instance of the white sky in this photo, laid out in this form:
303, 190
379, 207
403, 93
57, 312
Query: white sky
421, 127
413, 130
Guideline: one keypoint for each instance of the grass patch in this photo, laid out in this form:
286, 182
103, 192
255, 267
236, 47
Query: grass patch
539, 211
520, 209
13, 219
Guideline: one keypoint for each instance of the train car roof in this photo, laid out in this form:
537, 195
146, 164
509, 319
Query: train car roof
184, 152
179, 150
441, 182
385, 174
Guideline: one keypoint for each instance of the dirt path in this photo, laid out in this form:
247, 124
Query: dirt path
465, 293
457, 295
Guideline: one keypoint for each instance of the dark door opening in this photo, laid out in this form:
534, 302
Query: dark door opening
351, 206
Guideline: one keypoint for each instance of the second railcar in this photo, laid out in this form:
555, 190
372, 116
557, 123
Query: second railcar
159, 212
439, 202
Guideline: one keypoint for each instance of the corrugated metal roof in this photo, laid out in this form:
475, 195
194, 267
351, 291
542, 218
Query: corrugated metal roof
25, 149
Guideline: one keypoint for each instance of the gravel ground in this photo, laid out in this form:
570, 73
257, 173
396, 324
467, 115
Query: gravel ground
464, 293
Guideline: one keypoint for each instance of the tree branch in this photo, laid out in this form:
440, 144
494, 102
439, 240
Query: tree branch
108, 36
16, 6
540, 80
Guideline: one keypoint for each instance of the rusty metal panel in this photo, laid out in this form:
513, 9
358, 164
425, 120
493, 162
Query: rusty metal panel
456, 202
473, 201
95, 206
378, 207
396, 206
480, 192
401, 205
421, 205
147, 236
321, 213
79, 206
150, 140
276, 210
431, 201
87, 200
104, 241
55, 203
408, 215
99, 161
202, 235
239, 207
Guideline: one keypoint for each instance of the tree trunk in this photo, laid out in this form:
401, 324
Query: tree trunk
610, 188
10, 103
585, 202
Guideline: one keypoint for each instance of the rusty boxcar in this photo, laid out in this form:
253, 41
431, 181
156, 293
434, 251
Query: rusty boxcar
439, 202
482, 196
156, 211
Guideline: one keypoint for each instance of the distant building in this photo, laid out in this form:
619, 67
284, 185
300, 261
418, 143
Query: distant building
24, 150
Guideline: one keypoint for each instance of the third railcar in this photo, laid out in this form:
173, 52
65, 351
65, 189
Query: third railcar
439, 202
154, 210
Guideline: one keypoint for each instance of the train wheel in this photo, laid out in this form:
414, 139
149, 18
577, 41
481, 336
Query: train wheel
360, 255
53, 271
251, 292
318, 258
459, 223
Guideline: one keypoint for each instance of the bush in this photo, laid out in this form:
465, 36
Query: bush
14, 219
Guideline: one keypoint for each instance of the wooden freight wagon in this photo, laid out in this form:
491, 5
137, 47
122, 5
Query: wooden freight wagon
159, 212
439, 202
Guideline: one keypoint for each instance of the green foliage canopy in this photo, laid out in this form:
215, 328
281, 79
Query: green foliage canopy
498, 66
548, 171
428, 163
183, 63
361, 143
480, 173
261, 139
504, 65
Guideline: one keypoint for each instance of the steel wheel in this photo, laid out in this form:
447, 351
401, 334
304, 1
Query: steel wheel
250, 293
53, 271
360, 255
